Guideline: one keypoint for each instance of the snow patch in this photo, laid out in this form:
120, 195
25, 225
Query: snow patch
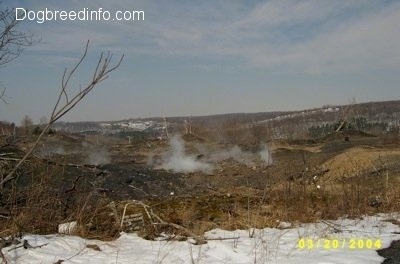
268, 245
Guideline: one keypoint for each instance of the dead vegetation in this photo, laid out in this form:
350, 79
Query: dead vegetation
307, 182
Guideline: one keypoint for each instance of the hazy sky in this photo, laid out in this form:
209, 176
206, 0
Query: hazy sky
210, 57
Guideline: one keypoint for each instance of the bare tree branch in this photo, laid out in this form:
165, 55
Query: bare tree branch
3, 96
12, 41
101, 72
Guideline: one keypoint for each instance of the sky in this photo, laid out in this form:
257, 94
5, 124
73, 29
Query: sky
208, 57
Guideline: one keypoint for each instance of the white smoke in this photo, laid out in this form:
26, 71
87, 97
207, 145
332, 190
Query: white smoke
247, 158
96, 155
176, 159
235, 153
265, 155
47, 151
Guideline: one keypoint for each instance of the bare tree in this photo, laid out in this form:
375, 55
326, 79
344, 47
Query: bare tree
12, 41
65, 101
27, 124
43, 121
3, 95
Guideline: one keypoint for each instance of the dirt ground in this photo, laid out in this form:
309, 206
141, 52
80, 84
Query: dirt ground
305, 182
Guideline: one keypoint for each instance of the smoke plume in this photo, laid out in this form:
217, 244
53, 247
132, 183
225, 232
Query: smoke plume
235, 153
176, 159
265, 155
96, 155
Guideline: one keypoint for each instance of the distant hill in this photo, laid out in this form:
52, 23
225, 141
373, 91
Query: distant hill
372, 117
373, 110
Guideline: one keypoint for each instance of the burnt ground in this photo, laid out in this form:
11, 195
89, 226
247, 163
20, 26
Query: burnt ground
129, 181
233, 196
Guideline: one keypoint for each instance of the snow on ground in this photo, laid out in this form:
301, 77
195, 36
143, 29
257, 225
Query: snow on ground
267, 245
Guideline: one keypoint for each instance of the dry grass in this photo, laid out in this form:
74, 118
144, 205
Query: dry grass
350, 182
357, 160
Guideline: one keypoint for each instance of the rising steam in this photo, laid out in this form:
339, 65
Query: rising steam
265, 155
235, 153
96, 155
247, 158
177, 160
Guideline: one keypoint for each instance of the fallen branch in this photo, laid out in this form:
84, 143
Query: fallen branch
26, 245
74, 165
3, 257
221, 238
9, 159
73, 188
69, 258
199, 240
332, 225
6, 154
149, 211
138, 189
